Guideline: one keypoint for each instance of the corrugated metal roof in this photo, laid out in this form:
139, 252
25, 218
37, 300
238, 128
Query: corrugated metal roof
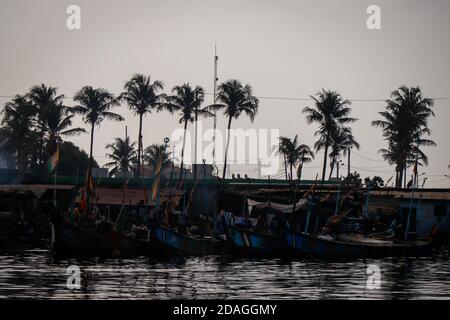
36, 189
425, 195
133, 196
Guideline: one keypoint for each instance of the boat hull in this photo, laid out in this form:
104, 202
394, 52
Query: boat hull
73, 240
300, 243
167, 241
246, 242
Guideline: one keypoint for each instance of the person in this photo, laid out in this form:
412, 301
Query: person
261, 222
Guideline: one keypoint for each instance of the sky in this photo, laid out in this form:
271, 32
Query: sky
283, 49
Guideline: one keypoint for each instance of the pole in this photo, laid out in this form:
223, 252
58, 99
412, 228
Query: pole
214, 102
408, 222
54, 187
348, 163
337, 198
366, 207
195, 144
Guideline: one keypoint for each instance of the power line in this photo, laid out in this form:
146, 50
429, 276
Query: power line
277, 98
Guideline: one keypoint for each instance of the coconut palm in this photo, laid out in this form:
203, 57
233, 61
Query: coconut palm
341, 140
142, 97
306, 156
123, 155
294, 153
330, 111
234, 99
404, 126
95, 105
16, 130
151, 156
57, 124
43, 97
187, 102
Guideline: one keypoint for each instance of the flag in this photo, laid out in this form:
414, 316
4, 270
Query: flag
53, 161
89, 182
155, 186
415, 169
83, 201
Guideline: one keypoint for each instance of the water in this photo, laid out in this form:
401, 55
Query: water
35, 274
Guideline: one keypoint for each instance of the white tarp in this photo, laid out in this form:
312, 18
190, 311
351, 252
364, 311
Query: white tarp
284, 208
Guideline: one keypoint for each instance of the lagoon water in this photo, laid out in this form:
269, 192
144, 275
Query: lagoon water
35, 274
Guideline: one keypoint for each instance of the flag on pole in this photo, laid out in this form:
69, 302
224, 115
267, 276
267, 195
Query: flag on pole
89, 181
155, 186
53, 161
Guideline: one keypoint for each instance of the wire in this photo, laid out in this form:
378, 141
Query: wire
279, 98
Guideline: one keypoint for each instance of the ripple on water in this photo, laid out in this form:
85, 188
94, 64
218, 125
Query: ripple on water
33, 274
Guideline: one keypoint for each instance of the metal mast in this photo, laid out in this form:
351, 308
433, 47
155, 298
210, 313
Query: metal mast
216, 58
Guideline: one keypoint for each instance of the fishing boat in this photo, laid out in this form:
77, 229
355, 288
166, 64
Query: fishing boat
353, 246
102, 239
167, 240
247, 242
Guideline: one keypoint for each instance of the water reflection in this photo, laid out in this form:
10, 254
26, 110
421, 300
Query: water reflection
35, 274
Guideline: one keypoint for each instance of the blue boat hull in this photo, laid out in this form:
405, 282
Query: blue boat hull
246, 242
167, 241
299, 243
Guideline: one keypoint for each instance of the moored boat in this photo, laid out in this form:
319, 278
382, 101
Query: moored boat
70, 239
247, 242
353, 246
165, 240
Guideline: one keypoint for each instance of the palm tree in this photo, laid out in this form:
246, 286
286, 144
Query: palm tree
330, 111
151, 156
234, 99
404, 126
43, 97
306, 156
342, 139
142, 97
17, 128
95, 106
294, 153
58, 122
123, 156
187, 101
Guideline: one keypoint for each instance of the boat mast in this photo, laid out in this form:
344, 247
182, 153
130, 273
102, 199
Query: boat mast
214, 102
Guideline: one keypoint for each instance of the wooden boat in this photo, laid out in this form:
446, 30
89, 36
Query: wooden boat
353, 246
102, 240
247, 242
167, 241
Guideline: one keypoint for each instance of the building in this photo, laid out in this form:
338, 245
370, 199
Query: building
428, 208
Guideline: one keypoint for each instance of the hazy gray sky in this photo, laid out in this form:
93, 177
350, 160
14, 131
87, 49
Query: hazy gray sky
282, 48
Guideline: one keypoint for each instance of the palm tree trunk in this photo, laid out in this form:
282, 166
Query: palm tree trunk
91, 159
348, 162
324, 169
285, 166
138, 173
396, 177
337, 170
291, 177
300, 172
226, 150
331, 169
182, 150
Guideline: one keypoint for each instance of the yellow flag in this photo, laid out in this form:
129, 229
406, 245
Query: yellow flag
53, 161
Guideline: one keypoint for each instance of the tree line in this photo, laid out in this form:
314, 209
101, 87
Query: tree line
33, 123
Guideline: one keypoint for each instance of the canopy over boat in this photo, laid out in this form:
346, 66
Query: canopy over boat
283, 208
